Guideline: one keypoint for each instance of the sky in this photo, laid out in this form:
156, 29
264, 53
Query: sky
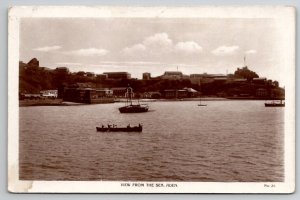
155, 45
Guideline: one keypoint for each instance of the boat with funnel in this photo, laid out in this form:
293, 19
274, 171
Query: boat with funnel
275, 104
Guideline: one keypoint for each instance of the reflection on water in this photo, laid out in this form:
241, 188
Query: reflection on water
224, 141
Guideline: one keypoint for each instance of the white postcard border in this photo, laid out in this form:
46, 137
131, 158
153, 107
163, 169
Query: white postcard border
284, 16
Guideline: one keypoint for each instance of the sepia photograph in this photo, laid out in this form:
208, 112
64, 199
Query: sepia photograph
151, 100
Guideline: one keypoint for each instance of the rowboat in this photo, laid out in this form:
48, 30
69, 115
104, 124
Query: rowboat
138, 128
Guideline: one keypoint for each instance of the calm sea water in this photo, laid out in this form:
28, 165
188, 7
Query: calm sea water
224, 141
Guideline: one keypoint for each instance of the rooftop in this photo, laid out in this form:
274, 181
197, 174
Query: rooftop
173, 73
115, 73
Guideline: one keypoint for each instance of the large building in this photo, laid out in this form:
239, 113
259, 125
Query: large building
206, 78
173, 75
101, 76
118, 75
88, 95
119, 91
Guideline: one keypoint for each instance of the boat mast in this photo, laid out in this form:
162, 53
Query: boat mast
130, 93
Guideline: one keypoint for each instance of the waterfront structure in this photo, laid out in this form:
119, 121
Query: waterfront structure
261, 92
180, 93
49, 93
118, 75
191, 92
119, 91
104, 92
152, 95
171, 94
86, 95
29, 96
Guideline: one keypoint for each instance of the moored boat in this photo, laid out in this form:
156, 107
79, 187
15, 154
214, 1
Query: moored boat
139, 108
275, 104
130, 107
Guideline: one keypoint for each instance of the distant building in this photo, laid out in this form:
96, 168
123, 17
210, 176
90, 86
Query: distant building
119, 92
206, 78
182, 93
29, 96
90, 74
152, 95
86, 95
101, 76
220, 79
262, 92
259, 80
169, 94
81, 73
172, 75
118, 75
104, 92
146, 76
49, 93
240, 80
191, 92
62, 69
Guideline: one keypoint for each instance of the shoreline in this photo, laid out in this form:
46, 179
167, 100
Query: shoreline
60, 102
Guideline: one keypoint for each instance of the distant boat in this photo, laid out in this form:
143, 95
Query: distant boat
130, 107
275, 104
138, 128
200, 103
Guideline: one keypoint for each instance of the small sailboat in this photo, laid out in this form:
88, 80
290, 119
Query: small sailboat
130, 107
200, 103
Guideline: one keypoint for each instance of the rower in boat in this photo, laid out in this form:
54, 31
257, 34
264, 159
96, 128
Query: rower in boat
114, 128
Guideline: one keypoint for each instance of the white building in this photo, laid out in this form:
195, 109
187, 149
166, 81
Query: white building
49, 93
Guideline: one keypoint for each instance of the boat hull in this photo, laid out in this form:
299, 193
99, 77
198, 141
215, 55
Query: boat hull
274, 105
126, 129
133, 109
